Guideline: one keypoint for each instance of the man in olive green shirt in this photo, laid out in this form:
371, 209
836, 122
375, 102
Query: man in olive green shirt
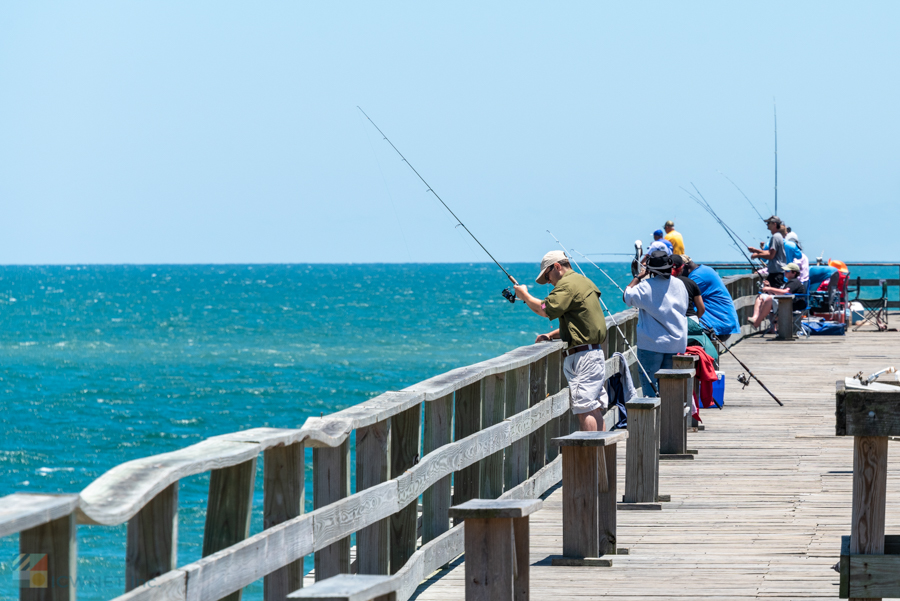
575, 301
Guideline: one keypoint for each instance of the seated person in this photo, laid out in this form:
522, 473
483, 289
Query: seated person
765, 302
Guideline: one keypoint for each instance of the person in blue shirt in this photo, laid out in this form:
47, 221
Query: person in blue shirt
659, 243
720, 315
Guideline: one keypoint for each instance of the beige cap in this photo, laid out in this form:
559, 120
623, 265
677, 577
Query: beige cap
686, 259
554, 256
670, 223
792, 267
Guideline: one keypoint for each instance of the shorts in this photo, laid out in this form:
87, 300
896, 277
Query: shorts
586, 373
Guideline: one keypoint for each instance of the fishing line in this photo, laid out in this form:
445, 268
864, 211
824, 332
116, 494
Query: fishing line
742, 194
458, 221
388, 188
615, 323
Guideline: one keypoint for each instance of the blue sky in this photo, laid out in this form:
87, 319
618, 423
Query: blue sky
173, 132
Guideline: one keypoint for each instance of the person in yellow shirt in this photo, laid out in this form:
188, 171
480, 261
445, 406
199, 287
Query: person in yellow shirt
675, 238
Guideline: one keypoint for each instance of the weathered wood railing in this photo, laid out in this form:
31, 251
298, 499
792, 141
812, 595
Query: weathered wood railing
480, 431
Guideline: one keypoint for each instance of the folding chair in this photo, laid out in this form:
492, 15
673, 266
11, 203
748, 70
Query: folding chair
875, 309
799, 315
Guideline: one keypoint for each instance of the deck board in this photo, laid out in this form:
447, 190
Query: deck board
761, 510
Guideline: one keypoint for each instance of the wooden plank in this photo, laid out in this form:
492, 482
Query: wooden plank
642, 456
785, 316
517, 398
151, 546
537, 457
674, 391
866, 412
869, 494
331, 483
581, 516
56, 540
492, 413
490, 559
554, 427
522, 535
373, 543
438, 431
606, 504
486, 509
117, 496
22, 511
874, 576
171, 586
228, 508
345, 587
284, 499
405, 435
467, 481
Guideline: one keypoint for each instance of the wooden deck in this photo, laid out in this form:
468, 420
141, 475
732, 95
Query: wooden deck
761, 510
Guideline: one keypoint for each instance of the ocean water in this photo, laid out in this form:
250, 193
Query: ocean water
104, 364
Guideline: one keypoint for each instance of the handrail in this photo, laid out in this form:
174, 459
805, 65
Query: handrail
520, 393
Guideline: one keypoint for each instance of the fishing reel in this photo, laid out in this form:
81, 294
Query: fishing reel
743, 379
509, 295
636, 261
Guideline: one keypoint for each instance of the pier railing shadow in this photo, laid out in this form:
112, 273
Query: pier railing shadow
480, 431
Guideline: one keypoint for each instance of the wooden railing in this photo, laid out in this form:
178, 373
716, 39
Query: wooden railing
479, 431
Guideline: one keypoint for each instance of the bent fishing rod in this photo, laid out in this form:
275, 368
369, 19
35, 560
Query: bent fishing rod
600, 298
744, 195
743, 380
507, 294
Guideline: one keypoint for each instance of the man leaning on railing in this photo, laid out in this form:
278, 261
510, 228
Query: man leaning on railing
575, 301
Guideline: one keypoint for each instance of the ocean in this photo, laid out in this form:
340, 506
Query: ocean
105, 364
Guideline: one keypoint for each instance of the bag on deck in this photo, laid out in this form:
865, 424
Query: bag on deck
820, 327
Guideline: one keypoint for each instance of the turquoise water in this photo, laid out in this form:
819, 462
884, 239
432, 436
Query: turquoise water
104, 364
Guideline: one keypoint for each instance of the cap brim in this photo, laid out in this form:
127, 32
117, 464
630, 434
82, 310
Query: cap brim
541, 279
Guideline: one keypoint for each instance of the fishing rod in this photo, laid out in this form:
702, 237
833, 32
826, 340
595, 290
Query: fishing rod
637, 246
743, 378
600, 298
775, 116
609, 254
742, 194
507, 294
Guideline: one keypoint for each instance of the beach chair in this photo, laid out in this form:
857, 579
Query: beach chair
874, 309
799, 315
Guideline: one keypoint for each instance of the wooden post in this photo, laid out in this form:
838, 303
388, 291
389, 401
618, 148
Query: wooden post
151, 544
331, 482
405, 435
467, 481
517, 391
373, 452
493, 409
497, 548
284, 494
589, 497
438, 431
674, 391
642, 456
690, 362
55, 539
228, 509
554, 426
785, 317
538, 446
869, 499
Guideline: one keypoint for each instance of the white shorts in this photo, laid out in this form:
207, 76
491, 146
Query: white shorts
585, 372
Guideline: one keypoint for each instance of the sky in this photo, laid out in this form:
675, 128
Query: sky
225, 132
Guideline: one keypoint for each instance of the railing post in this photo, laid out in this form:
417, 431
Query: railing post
674, 392
589, 497
56, 540
331, 482
152, 540
497, 548
228, 509
518, 389
642, 456
785, 316
467, 481
690, 362
554, 426
438, 431
493, 408
405, 436
284, 494
373, 452
538, 446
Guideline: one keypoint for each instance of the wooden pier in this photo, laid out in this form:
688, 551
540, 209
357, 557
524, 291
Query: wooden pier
758, 512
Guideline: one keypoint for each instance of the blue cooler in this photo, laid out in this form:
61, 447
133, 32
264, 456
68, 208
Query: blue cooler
719, 388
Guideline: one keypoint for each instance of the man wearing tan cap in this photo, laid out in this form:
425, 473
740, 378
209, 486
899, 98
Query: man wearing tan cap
575, 301
675, 238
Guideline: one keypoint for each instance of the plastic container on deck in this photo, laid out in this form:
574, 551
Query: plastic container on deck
719, 388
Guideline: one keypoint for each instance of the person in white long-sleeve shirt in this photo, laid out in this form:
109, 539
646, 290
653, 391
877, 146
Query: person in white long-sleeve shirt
662, 302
